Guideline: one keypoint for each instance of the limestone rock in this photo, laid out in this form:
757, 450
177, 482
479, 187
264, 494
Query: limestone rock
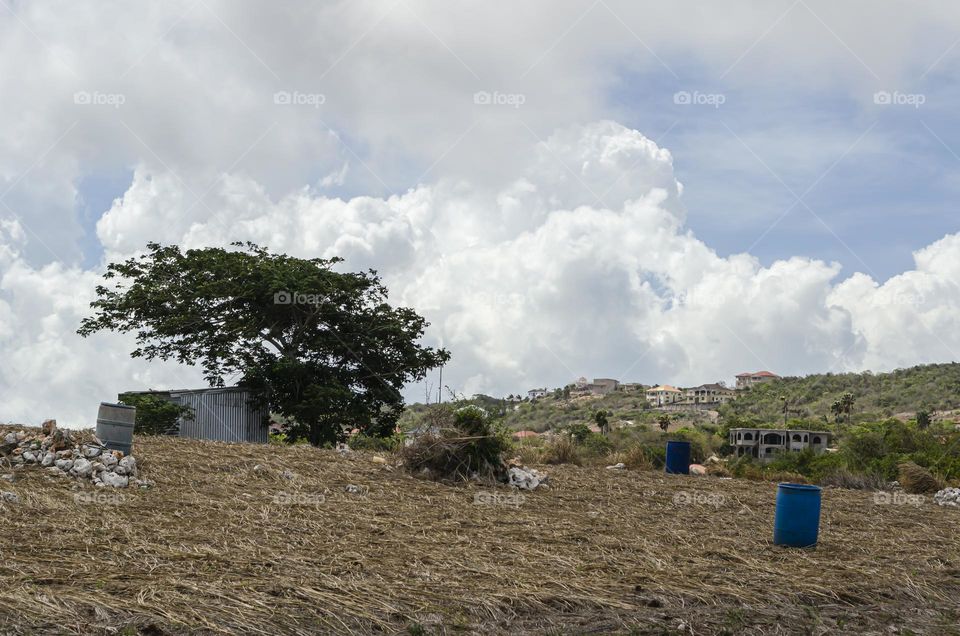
49, 427
90, 451
129, 466
9, 497
114, 480
81, 468
949, 497
64, 464
526, 478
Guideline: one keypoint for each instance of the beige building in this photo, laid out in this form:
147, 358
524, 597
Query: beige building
747, 380
709, 394
599, 386
664, 394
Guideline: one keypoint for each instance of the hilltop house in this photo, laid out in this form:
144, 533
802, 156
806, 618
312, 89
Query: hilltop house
599, 386
709, 394
535, 394
765, 443
602, 386
663, 394
747, 380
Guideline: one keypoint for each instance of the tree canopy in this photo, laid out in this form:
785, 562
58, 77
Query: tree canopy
320, 347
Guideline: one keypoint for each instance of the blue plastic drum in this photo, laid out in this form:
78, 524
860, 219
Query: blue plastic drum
797, 520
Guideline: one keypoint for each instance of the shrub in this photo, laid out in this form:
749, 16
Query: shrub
562, 451
918, 480
362, 441
472, 445
855, 481
155, 415
701, 445
637, 457
596, 444
530, 454
578, 432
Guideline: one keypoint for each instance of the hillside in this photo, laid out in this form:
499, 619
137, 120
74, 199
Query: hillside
224, 543
552, 412
932, 387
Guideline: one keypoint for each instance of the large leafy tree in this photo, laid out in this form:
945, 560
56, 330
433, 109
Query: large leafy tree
320, 347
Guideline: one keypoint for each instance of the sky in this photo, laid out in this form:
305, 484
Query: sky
655, 192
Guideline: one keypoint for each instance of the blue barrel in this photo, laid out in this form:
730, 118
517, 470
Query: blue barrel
678, 458
797, 521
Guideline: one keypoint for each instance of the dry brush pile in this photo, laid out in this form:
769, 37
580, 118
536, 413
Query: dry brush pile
253, 539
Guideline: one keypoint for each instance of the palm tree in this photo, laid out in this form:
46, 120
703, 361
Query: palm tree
843, 406
664, 422
600, 417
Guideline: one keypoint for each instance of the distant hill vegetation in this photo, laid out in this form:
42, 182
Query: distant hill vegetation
932, 387
876, 396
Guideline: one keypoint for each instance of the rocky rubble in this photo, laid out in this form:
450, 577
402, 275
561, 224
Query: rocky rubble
62, 453
526, 478
948, 497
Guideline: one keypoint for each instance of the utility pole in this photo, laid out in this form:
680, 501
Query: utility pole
440, 388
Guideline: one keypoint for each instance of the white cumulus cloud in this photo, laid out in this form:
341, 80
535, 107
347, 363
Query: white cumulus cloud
579, 264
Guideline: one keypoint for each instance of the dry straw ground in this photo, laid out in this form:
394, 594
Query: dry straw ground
218, 547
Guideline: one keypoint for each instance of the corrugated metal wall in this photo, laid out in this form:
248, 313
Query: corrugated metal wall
222, 414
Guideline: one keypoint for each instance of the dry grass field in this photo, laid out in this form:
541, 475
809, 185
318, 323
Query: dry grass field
221, 547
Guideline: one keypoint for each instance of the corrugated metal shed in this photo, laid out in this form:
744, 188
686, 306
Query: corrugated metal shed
223, 414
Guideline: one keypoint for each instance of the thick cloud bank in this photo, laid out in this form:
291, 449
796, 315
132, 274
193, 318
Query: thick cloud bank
582, 264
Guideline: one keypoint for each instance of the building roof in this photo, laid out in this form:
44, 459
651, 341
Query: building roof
664, 387
711, 387
762, 374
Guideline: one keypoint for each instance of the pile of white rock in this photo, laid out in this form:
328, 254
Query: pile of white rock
526, 478
948, 497
62, 454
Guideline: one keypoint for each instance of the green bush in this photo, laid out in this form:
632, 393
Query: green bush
155, 415
361, 441
596, 444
